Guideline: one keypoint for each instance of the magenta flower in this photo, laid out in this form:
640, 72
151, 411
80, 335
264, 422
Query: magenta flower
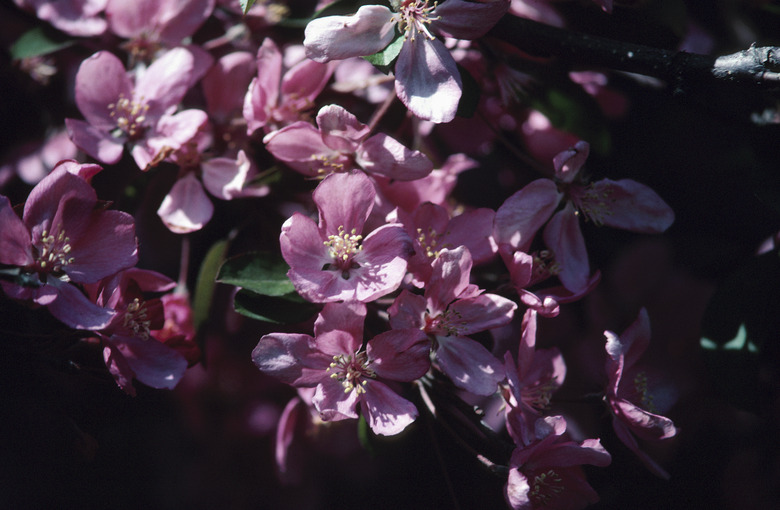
343, 373
450, 310
121, 108
547, 473
628, 395
65, 238
531, 382
332, 261
275, 99
623, 204
342, 143
432, 230
129, 349
427, 79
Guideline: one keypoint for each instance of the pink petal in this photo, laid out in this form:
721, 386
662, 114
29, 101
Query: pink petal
98, 144
483, 312
474, 230
470, 365
427, 80
523, 214
344, 200
186, 208
460, 19
181, 19
166, 80
387, 413
366, 32
383, 155
569, 162
563, 235
407, 311
341, 131
154, 364
291, 358
15, 246
339, 328
305, 81
73, 308
450, 277
225, 85
333, 403
632, 206
400, 354
383, 262
100, 80
300, 145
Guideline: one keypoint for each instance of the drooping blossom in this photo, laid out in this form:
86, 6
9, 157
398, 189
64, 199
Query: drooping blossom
531, 381
624, 204
277, 97
449, 311
332, 261
629, 394
341, 143
427, 79
130, 351
123, 107
344, 374
64, 239
547, 473
432, 230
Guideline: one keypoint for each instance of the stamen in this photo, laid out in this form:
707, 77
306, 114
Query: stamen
129, 115
352, 371
54, 251
136, 318
343, 247
412, 18
429, 243
545, 487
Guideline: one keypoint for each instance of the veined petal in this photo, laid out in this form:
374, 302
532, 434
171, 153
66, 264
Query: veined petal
427, 80
383, 155
483, 312
450, 277
382, 261
73, 308
632, 206
468, 20
165, 81
339, 328
344, 200
300, 146
366, 32
400, 354
407, 311
154, 363
98, 144
470, 365
333, 403
100, 81
387, 412
291, 358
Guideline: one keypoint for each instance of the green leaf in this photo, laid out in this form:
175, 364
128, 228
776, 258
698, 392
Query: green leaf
204, 288
287, 309
384, 59
260, 272
38, 42
246, 5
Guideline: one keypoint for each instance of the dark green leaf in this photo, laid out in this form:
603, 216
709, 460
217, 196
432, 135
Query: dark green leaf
38, 42
261, 272
384, 59
204, 288
288, 309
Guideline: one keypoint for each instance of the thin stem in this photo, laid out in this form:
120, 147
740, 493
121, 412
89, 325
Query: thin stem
380, 112
184, 266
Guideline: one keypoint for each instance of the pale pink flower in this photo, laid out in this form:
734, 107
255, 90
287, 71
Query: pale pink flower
332, 261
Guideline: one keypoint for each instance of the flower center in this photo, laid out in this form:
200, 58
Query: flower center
327, 165
129, 115
136, 319
343, 247
538, 395
545, 487
594, 205
448, 323
412, 18
545, 266
645, 397
429, 242
54, 252
352, 371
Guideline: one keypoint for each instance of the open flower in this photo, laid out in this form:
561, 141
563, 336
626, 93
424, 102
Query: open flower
65, 238
450, 310
332, 261
427, 79
624, 204
341, 144
628, 395
344, 374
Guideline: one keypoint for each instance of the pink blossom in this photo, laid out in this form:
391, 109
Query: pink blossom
623, 204
628, 393
34, 161
531, 382
80, 18
65, 238
449, 311
427, 79
274, 98
332, 261
342, 143
343, 373
547, 473
122, 107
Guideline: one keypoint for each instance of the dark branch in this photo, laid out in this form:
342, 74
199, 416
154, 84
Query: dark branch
759, 66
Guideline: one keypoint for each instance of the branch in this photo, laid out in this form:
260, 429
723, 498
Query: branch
759, 66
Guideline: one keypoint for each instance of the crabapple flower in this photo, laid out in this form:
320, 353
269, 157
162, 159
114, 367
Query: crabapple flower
628, 395
432, 230
344, 374
275, 99
130, 351
451, 309
427, 79
547, 473
332, 261
121, 108
624, 204
65, 238
340, 144
531, 382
